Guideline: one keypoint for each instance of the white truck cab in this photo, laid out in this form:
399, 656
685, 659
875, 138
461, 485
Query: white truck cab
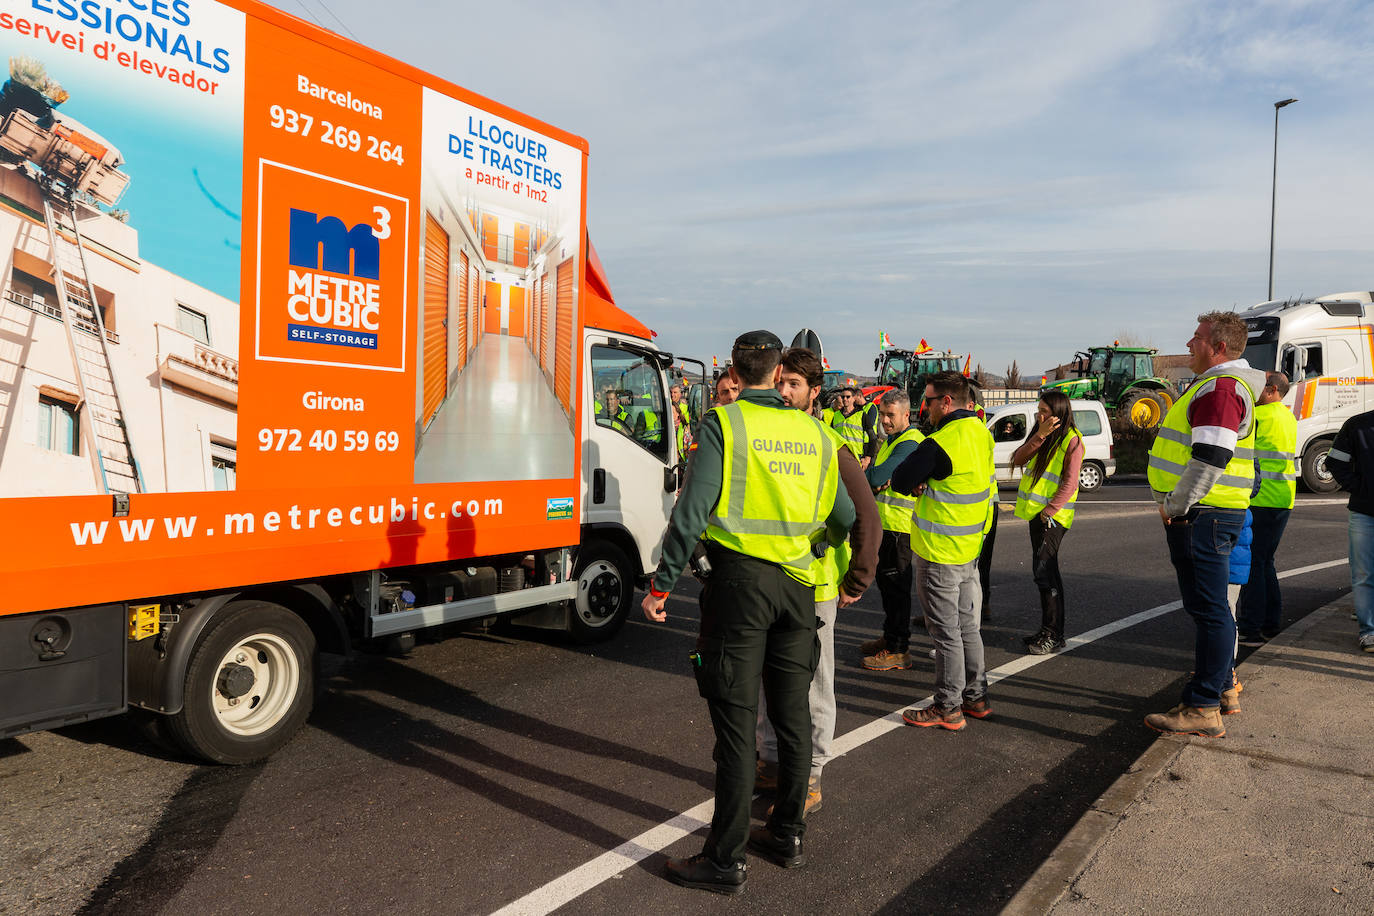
1325, 346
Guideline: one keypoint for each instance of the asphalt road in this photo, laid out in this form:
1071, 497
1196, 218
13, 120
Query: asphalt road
485, 770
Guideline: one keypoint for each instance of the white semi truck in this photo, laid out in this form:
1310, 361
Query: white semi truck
1326, 348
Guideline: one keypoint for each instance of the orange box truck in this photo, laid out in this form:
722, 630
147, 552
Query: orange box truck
299, 347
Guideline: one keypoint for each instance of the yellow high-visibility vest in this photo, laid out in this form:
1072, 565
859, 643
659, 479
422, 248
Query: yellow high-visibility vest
1276, 445
1173, 447
1032, 498
829, 570
778, 482
894, 509
953, 513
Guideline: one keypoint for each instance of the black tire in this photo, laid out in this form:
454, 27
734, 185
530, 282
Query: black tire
277, 650
1090, 476
604, 592
1314, 474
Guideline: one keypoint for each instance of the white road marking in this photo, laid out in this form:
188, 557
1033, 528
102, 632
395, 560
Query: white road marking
571, 885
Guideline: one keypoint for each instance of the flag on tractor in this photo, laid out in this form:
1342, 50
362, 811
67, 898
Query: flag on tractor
825, 363
883, 340
924, 347
715, 364
968, 362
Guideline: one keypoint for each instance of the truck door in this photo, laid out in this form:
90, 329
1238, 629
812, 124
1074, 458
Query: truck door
630, 446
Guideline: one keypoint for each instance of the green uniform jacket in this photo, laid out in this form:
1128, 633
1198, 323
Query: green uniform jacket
701, 492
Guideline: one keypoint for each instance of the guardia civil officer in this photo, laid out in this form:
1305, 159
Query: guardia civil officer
762, 487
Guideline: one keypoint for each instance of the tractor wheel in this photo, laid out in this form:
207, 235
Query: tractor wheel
1141, 409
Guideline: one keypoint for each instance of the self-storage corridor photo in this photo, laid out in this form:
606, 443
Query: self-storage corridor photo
500, 422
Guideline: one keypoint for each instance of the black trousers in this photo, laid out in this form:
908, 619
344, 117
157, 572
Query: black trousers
756, 622
894, 585
1045, 541
985, 559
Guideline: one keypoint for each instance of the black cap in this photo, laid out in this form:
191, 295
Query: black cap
758, 340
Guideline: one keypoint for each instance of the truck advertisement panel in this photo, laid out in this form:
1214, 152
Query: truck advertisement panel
274, 306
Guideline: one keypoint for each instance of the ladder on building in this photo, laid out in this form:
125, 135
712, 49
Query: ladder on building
101, 416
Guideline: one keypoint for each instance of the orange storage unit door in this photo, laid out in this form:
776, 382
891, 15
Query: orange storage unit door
492, 294
491, 239
462, 309
474, 292
515, 317
563, 342
521, 255
544, 322
436, 310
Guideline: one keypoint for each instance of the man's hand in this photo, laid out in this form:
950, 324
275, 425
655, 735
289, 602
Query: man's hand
653, 607
845, 599
864, 462
1164, 514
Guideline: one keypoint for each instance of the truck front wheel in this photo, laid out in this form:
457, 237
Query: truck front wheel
249, 684
604, 592
1315, 475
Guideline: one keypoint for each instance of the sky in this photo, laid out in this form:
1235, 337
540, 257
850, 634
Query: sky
1015, 180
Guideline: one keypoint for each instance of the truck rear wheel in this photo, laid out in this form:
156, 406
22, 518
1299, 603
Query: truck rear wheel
604, 592
1315, 475
249, 684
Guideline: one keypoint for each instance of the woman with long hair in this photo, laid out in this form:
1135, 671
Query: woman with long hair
1052, 456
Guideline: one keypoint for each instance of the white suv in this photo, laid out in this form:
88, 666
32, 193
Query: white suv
1012, 423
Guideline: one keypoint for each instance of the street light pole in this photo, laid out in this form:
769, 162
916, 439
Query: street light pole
1273, 192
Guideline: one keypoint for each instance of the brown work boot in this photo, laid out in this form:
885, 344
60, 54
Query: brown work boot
951, 718
813, 799
766, 776
873, 646
884, 660
1230, 697
1204, 722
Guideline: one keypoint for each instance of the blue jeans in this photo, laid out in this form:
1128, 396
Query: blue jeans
1261, 605
1200, 549
1362, 569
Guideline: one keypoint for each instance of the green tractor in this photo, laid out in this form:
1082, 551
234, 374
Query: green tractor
1124, 380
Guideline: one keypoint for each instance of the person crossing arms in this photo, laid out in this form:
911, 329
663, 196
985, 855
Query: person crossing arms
953, 466
1276, 444
892, 649
762, 487
1201, 468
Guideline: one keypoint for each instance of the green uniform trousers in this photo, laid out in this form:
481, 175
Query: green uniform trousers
756, 622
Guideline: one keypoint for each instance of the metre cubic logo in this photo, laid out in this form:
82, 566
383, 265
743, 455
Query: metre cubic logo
332, 265
341, 303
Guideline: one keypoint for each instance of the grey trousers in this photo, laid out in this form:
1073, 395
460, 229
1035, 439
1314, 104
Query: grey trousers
953, 602
822, 697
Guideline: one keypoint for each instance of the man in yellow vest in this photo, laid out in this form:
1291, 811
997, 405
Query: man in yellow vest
855, 425
762, 490
951, 468
1201, 469
843, 574
1276, 442
892, 649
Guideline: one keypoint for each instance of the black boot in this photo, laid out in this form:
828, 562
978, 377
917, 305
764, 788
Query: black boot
700, 873
776, 848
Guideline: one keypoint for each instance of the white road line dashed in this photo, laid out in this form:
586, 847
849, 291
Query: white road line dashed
567, 887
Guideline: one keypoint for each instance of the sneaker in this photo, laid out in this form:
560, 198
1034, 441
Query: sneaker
1252, 640
1188, 720
1367, 642
951, 718
766, 776
1034, 637
700, 873
979, 708
813, 799
886, 661
1048, 644
873, 646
